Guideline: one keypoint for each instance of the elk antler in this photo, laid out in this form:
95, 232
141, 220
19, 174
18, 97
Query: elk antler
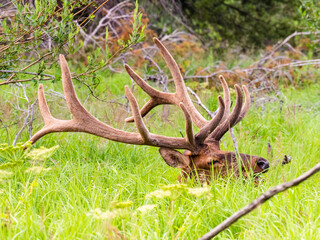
83, 121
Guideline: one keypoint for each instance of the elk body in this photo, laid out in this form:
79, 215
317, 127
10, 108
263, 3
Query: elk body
202, 155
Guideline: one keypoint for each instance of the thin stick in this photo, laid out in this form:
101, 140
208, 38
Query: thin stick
30, 73
31, 64
26, 120
279, 45
234, 140
23, 80
31, 117
211, 114
260, 200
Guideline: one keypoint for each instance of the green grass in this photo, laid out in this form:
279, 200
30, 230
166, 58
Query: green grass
90, 173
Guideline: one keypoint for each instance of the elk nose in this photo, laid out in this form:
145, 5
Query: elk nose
263, 164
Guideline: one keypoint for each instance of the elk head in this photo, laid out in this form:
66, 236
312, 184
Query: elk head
202, 154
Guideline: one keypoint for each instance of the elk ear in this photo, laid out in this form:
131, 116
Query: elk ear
174, 158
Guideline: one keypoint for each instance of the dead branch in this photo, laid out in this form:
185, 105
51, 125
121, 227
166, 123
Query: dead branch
110, 20
174, 10
211, 114
22, 80
280, 44
160, 77
29, 73
234, 140
28, 119
30, 124
260, 200
261, 77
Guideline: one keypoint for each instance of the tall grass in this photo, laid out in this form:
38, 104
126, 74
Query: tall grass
90, 176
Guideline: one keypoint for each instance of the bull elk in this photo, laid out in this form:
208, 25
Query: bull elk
202, 155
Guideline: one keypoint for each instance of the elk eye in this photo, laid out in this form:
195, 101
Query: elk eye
213, 162
263, 164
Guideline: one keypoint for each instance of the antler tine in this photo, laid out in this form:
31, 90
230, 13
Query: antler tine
137, 116
74, 105
152, 92
145, 134
51, 124
188, 125
210, 126
43, 106
157, 97
231, 120
173, 67
246, 105
181, 90
226, 97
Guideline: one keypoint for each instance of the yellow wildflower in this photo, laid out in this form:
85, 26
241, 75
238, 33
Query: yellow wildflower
174, 187
199, 192
42, 153
126, 204
37, 170
107, 215
146, 208
5, 174
159, 194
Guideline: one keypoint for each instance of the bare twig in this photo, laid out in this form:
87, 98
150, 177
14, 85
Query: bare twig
211, 114
26, 120
95, 96
180, 19
112, 15
162, 78
31, 117
23, 80
280, 44
31, 64
209, 75
234, 140
260, 200
101, 5
29, 73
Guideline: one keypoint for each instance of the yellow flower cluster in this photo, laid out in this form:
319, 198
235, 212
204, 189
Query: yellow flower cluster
37, 170
42, 153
